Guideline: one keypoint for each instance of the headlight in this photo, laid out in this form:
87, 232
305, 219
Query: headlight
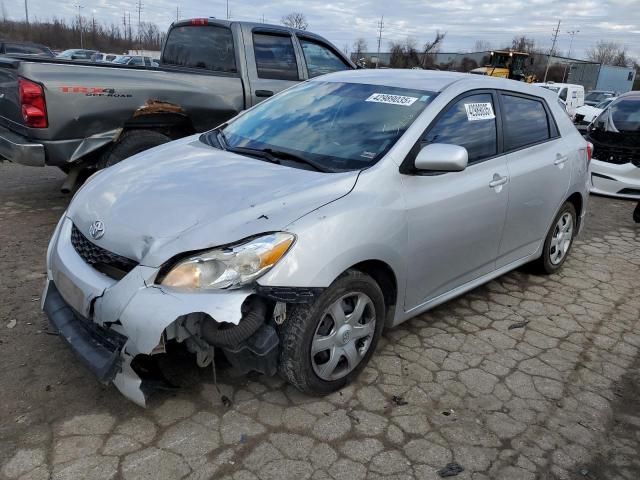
232, 266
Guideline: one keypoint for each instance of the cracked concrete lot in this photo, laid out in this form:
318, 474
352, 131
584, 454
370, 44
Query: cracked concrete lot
526, 377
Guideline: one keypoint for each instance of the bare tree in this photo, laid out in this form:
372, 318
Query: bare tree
609, 53
404, 54
431, 48
359, 47
523, 44
295, 20
482, 46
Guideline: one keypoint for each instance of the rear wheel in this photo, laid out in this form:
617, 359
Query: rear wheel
326, 344
559, 240
130, 143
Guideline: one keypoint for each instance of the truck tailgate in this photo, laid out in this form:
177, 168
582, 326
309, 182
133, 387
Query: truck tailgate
9, 98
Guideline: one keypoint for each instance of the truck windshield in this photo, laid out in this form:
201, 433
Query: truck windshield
340, 126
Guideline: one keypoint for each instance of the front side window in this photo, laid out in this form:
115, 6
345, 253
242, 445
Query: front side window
469, 123
275, 57
206, 47
525, 122
340, 126
320, 59
626, 114
563, 95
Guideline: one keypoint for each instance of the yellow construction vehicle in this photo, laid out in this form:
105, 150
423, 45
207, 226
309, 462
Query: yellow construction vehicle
508, 64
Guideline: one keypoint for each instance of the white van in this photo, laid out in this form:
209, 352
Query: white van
569, 94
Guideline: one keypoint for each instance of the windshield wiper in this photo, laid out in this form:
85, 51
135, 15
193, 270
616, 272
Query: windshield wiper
253, 152
295, 158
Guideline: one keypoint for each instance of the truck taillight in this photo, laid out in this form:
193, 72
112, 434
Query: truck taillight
589, 152
199, 21
33, 104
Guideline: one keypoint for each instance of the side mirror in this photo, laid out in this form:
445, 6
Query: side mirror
442, 157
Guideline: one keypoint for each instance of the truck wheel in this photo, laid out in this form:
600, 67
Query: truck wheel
130, 143
326, 344
559, 240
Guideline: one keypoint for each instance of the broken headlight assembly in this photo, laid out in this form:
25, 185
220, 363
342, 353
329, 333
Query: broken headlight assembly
229, 267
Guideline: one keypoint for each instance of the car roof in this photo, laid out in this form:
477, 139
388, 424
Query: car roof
633, 93
431, 80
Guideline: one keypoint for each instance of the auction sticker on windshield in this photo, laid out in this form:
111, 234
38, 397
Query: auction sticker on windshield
479, 111
391, 99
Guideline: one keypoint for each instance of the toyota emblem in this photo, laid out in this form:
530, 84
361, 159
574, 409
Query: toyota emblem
96, 230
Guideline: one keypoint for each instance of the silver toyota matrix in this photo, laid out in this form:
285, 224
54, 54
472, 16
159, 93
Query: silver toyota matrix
289, 237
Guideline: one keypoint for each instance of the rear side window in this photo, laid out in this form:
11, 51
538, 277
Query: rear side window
23, 49
525, 122
207, 47
275, 57
469, 123
320, 59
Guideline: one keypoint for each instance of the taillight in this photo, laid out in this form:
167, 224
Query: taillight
34, 106
199, 21
589, 152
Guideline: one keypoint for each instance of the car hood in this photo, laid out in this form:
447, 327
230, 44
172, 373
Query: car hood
587, 110
186, 196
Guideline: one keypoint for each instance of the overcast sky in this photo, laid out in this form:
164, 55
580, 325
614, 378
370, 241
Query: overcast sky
465, 21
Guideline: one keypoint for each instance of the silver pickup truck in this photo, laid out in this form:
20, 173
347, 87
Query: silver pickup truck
92, 115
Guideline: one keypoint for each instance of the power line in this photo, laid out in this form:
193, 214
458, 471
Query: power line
380, 27
553, 47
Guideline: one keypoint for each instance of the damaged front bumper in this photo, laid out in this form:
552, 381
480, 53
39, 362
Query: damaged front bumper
108, 322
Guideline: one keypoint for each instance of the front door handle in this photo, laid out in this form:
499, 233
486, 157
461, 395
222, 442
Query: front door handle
560, 159
498, 180
264, 93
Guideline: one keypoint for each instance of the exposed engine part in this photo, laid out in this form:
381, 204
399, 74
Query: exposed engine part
221, 334
280, 313
257, 353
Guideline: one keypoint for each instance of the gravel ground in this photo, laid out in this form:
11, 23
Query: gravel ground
554, 397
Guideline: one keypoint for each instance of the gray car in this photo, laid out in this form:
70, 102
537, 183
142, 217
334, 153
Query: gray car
291, 236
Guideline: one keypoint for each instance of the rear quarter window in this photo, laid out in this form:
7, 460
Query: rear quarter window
205, 47
525, 122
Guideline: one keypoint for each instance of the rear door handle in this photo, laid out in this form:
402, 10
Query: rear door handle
498, 180
560, 159
264, 93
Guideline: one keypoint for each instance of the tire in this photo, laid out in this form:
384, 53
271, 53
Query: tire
305, 324
551, 259
130, 143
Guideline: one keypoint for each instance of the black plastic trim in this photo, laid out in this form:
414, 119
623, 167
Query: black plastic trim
602, 176
290, 294
98, 348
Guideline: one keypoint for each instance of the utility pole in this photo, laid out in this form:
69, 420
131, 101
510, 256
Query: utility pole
380, 27
553, 47
129, 23
139, 7
177, 13
227, 9
26, 12
572, 33
80, 7
263, 18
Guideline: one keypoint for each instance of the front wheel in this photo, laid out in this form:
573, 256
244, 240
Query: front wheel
559, 240
326, 344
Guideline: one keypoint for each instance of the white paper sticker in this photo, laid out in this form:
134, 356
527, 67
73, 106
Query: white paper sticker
479, 111
391, 99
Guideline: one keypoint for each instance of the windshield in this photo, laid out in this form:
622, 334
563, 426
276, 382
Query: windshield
626, 114
66, 54
122, 60
605, 103
340, 126
597, 96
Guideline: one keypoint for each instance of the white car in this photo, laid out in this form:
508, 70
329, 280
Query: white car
615, 135
587, 113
